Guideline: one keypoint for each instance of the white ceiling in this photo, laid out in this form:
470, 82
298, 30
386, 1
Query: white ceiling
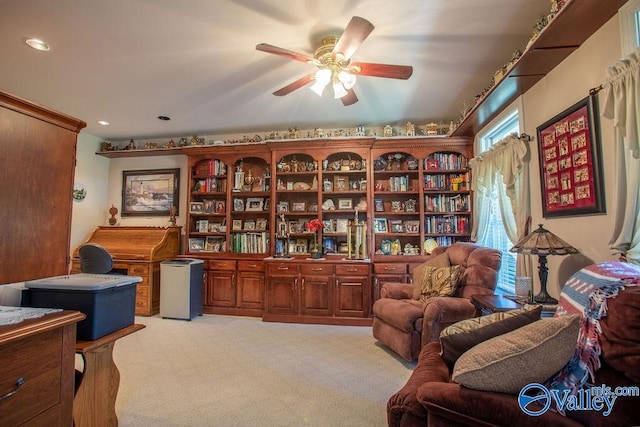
129, 61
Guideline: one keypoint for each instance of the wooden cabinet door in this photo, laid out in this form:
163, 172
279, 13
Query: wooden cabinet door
352, 296
250, 290
221, 288
281, 295
316, 295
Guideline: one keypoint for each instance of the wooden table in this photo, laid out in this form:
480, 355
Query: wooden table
490, 303
94, 404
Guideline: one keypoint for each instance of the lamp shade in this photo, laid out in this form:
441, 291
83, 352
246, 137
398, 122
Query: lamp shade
543, 242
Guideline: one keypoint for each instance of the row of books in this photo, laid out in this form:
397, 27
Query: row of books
443, 181
444, 203
211, 184
250, 243
210, 167
447, 224
445, 161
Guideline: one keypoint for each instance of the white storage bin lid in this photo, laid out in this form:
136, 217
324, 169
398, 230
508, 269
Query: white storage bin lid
83, 282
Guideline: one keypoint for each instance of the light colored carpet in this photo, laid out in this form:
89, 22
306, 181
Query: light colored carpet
241, 371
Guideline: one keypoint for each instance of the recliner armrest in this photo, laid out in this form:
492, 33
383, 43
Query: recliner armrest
440, 312
396, 290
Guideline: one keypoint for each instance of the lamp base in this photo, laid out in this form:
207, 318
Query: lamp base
545, 298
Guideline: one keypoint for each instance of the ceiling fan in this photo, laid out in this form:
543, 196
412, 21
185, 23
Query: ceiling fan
333, 60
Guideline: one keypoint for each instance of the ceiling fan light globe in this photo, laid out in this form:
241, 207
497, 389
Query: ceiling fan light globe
338, 90
323, 76
347, 79
318, 87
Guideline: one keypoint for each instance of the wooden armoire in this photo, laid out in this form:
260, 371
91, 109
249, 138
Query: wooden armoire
37, 164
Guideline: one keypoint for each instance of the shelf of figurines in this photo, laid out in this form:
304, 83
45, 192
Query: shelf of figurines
196, 144
554, 37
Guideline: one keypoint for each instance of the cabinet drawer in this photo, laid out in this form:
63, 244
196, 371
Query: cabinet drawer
282, 268
390, 268
346, 270
317, 268
138, 270
221, 264
250, 266
37, 361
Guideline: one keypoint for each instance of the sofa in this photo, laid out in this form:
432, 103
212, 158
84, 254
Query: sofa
404, 323
431, 396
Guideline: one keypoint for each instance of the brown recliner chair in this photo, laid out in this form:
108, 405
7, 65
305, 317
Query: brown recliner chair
405, 324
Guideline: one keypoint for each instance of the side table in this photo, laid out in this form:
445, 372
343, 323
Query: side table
490, 303
94, 404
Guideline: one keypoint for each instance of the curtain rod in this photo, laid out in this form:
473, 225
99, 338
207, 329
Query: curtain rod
594, 90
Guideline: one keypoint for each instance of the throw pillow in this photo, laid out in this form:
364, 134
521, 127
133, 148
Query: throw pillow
461, 336
419, 272
530, 354
439, 282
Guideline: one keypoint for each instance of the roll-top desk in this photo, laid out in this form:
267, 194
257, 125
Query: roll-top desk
138, 251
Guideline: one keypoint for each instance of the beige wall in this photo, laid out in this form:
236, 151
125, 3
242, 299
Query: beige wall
568, 83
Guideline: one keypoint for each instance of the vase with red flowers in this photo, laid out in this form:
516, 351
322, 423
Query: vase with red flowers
315, 226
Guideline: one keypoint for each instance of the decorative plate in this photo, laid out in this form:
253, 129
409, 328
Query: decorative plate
379, 164
430, 245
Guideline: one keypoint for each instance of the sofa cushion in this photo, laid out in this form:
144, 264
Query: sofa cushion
461, 336
439, 282
530, 354
620, 338
420, 272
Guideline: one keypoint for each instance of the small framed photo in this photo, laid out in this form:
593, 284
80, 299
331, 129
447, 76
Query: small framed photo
202, 225
396, 226
196, 244
330, 245
214, 227
298, 206
313, 207
220, 206
196, 207
236, 225
283, 207
266, 205
294, 227
380, 225
249, 224
378, 205
341, 225
255, 203
327, 186
345, 204
340, 183
238, 205
261, 224
209, 206
329, 225
412, 226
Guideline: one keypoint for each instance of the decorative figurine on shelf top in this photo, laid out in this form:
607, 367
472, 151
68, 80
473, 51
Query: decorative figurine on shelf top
360, 131
410, 129
387, 131
170, 144
172, 216
131, 146
432, 129
113, 211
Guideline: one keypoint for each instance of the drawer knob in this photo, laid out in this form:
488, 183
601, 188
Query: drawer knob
316, 269
19, 383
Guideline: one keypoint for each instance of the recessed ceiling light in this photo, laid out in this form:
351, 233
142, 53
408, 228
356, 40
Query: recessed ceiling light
103, 123
38, 44
164, 118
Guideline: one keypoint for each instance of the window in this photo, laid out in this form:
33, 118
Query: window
495, 237
629, 16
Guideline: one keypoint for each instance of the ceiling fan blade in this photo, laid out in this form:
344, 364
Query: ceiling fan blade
402, 72
295, 85
353, 36
350, 98
265, 47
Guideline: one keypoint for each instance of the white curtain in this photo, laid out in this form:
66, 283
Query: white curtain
503, 169
621, 102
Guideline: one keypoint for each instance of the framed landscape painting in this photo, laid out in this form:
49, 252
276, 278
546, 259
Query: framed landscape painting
151, 192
